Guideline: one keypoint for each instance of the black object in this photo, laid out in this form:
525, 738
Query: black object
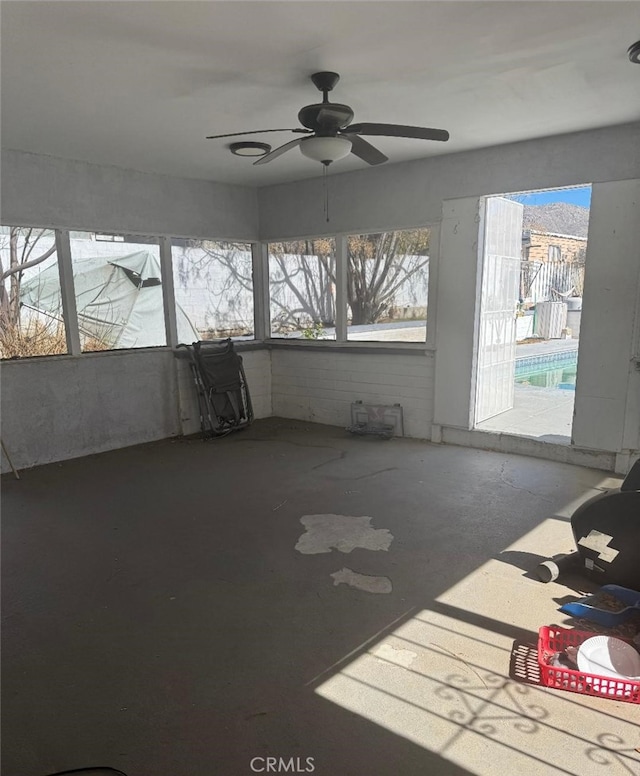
221, 385
332, 119
97, 771
606, 529
550, 570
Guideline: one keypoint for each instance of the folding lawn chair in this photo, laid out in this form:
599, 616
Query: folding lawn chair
221, 385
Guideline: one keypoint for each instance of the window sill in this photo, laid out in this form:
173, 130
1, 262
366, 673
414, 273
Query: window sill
386, 348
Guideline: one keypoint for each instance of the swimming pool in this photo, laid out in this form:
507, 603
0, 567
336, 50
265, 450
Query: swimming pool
556, 370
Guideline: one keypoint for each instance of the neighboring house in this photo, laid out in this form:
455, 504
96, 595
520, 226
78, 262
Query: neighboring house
548, 246
552, 266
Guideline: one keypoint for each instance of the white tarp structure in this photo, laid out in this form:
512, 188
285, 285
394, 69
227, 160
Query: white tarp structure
119, 300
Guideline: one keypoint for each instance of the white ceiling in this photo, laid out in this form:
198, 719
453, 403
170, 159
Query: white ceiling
140, 84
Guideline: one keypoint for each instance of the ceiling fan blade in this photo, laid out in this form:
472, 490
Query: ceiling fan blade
279, 151
365, 151
397, 130
257, 132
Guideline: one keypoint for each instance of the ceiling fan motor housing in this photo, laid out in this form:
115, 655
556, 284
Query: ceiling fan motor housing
325, 117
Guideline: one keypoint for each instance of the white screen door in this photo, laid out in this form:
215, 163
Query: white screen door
496, 344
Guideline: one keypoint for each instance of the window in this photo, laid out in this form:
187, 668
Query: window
387, 286
302, 289
214, 289
118, 288
554, 253
31, 321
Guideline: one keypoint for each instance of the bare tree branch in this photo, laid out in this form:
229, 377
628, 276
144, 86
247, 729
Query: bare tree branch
27, 264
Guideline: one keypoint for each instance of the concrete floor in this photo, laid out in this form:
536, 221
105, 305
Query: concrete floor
158, 618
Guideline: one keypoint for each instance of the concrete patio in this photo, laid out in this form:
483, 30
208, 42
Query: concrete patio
539, 413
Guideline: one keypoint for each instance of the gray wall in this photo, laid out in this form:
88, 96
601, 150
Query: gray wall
47, 191
606, 411
61, 407
457, 296
320, 385
446, 189
607, 405
411, 193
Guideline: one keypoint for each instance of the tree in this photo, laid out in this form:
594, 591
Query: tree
300, 278
21, 250
26, 250
303, 277
378, 266
302, 281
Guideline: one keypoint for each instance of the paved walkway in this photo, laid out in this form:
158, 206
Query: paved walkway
545, 414
398, 331
548, 346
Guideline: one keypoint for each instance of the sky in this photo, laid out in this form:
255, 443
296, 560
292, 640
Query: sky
577, 196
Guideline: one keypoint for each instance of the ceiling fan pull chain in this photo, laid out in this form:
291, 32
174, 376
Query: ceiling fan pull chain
325, 179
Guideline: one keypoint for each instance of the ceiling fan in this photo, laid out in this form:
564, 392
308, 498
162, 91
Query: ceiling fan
329, 133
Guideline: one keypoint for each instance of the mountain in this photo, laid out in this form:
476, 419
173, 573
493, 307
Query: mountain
558, 217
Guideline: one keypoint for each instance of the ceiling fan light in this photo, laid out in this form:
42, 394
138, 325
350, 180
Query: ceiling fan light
249, 148
326, 149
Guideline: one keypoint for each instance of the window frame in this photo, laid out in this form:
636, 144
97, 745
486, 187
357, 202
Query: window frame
554, 253
256, 272
271, 339
127, 238
261, 291
67, 301
341, 342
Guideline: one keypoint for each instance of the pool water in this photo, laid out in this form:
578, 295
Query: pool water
550, 375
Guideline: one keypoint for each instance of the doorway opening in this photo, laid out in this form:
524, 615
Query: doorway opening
528, 331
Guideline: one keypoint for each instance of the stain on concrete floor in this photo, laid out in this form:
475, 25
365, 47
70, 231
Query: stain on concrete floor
341, 532
366, 582
387, 653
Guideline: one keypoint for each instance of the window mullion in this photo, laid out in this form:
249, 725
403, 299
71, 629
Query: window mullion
341, 288
67, 292
168, 292
261, 312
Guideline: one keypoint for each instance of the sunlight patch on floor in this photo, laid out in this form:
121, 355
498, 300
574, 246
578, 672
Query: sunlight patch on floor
455, 698
441, 678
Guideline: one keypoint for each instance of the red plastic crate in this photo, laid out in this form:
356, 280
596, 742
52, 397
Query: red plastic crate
552, 639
